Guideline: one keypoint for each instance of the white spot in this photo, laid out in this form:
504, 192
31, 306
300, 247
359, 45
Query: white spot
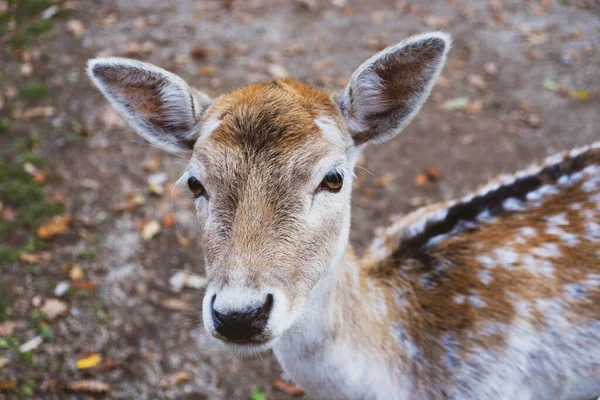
484, 276
569, 238
590, 186
459, 299
575, 206
512, 204
547, 250
477, 301
485, 216
506, 256
528, 232
486, 261
592, 231
537, 266
402, 338
575, 291
558, 219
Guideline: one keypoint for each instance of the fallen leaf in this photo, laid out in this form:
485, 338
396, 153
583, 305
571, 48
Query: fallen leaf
35, 112
549, 84
90, 386
4, 362
61, 288
477, 81
152, 164
34, 258
177, 379
194, 281
31, 345
53, 308
437, 21
200, 53
533, 120
76, 28
90, 361
177, 281
458, 103
474, 106
277, 71
175, 304
132, 200
76, 272
85, 285
168, 220
581, 94
184, 241
7, 385
7, 328
385, 180
288, 388
420, 180
433, 173
56, 226
150, 229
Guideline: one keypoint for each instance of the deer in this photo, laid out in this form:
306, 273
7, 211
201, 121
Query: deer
495, 295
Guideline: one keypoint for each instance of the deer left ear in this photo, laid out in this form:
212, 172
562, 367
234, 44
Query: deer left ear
158, 104
388, 89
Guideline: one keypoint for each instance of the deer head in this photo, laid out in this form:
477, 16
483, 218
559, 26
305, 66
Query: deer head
270, 169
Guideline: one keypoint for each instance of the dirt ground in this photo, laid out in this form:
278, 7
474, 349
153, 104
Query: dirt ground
522, 81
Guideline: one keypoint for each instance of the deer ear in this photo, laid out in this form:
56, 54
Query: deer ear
158, 104
388, 89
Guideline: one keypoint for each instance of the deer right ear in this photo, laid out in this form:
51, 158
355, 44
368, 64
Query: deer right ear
388, 89
158, 104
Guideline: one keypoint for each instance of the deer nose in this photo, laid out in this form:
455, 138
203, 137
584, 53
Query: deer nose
243, 326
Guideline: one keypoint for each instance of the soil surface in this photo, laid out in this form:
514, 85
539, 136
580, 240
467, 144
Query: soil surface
522, 81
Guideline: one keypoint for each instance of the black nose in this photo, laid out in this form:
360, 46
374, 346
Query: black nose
242, 326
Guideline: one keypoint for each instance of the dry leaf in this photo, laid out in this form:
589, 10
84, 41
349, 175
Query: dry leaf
385, 180
4, 362
76, 28
477, 81
90, 361
184, 241
53, 308
200, 53
288, 388
175, 304
474, 106
437, 21
31, 344
76, 272
91, 386
458, 103
168, 220
61, 288
152, 164
7, 328
433, 173
34, 258
7, 385
132, 200
56, 226
35, 112
150, 229
85, 285
420, 180
581, 94
177, 379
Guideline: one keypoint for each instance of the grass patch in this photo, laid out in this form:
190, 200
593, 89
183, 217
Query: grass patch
34, 90
4, 125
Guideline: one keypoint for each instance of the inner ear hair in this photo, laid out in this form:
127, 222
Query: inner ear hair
388, 89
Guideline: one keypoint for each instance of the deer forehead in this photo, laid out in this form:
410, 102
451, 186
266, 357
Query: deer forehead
285, 122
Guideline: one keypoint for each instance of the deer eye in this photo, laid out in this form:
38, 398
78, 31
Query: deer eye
332, 182
196, 187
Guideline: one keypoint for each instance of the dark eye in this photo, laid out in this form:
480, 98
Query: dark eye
332, 182
196, 187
